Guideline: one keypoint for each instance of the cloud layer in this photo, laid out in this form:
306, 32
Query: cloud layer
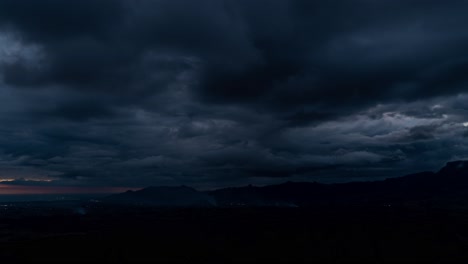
212, 93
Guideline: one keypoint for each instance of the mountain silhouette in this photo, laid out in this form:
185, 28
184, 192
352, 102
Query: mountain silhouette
449, 183
164, 196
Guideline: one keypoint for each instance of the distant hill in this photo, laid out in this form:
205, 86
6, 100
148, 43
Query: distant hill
181, 196
448, 184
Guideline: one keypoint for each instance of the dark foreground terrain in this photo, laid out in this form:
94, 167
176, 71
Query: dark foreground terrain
42, 232
418, 217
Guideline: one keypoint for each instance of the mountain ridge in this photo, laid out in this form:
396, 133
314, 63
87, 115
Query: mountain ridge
164, 196
422, 186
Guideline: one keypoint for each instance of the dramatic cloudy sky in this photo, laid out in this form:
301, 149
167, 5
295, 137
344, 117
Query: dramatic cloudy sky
215, 93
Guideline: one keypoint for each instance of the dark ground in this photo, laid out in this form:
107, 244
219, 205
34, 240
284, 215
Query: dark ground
61, 233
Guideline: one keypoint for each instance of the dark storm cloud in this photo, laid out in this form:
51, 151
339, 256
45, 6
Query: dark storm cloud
217, 92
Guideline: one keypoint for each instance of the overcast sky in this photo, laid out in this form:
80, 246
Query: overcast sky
220, 93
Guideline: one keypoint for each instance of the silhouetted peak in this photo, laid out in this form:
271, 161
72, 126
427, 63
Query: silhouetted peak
288, 183
455, 167
163, 196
